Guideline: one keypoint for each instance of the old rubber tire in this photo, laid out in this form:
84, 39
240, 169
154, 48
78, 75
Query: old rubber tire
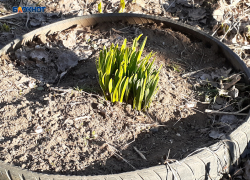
205, 163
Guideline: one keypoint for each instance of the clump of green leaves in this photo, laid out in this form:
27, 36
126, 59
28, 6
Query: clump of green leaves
124, 76
5, 27
122, 5
100, 7
209, 92
175, 67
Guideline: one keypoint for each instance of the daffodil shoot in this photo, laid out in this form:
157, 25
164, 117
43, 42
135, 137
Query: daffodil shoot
126, 77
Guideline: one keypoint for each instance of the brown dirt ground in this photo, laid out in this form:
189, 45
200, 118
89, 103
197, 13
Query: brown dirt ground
82, 132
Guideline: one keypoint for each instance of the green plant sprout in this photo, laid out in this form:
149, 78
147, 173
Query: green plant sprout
123, 74
175, 67
225, 27
122, 6
5, 27
100, 7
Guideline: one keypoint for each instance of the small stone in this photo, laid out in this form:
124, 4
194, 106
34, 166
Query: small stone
1, 139
38, 129
178, 134
32, 84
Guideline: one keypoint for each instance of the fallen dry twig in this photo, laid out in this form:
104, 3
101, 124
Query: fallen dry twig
194, 72
170, 6
117, 31
227, 113
113, 149
142, 156
28, 18
71, 90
